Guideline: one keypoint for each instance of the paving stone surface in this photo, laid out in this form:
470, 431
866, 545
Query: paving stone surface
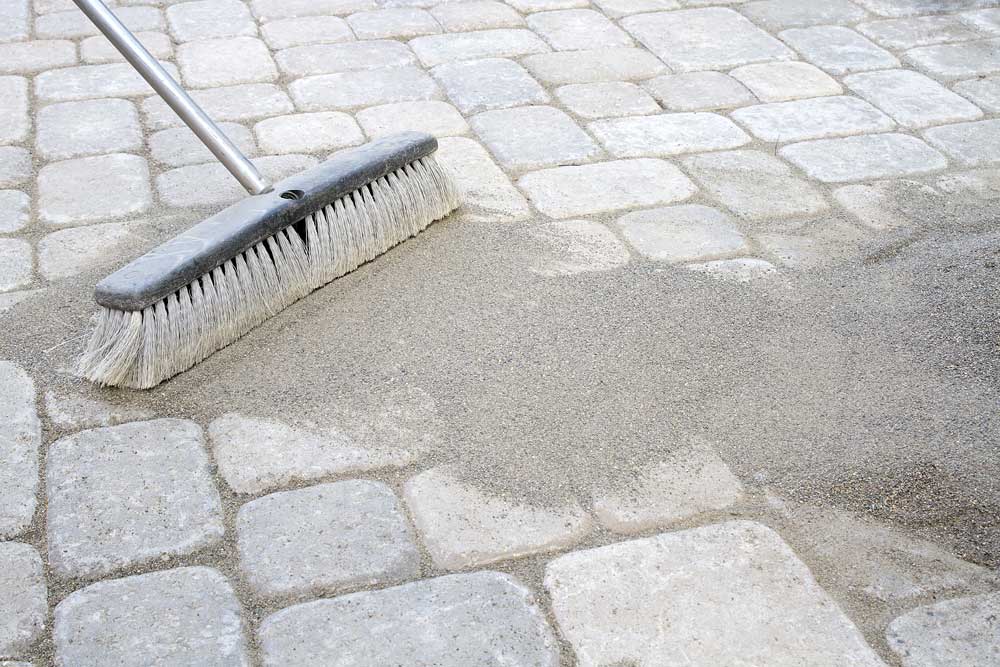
878, 204
699, 91
15, 20
606, 99
73, 412
308, 133
501, 43
621, 64
740, 269
393, 22
88, 81
454, 621
686, 40
69, 252
210, 19
231, 103
667, 134
783, 81
73, 24
267, 10
981, 183
736, 593
487, 192
950, 633
87, 127
986, 20
865, 157
919, 31
985, 92
225, 62
566, 192
476, 15
179, 146
464, 527
838, 50
347, 90
15, 166
963, 60
782, 122
22, 598
101, 521
88, 189
780, 14
36, 56
438, 118
681, 233
972, 144
15, 264
912, 99
491, 83
201, 185
346, 57
325, 539
185, 616
546, 136
20, 438
15, 122
98, 50
15, 210
571, 247
577, 29
287, 33
619, 8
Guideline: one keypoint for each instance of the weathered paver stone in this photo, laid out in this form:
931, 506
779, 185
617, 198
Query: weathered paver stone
502, 43
15, 165
89, 81
185, 616
571, 247
864, 158
460, 620
346, 57
462, 526
780, 14
20, 438
212, 185
15, 264
10, 299
983, 91
816, 118
919, 31
347, 90
232, 103
618, 8
73, 24
780, 82
681, 233
438, 118
69, 252
741, 269
690, 481
266, 10
622, 64
566, 192
953, 633
838, 50
36, 56
723, 594
93, 188
527, 6
577, 29
98, 50
101, 521
667, 134
745, 182
394, 22
915, 7
699, 91
73, 412
308, 133
15, 18
287, 33
963, 60
986, 20
210, 19
88, 127
179, 146
878, 205
22, 598
972, 144
688, 40
982, 183
15, 210
14, 121
476, 15
225, 62
911, 98
545, 136
606, 99
257, 455
325, 539
492, 83
488, 194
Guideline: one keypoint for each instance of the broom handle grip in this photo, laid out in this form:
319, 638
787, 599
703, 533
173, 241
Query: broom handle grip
171, 92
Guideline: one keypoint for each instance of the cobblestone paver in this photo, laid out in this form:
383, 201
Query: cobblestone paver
721, 141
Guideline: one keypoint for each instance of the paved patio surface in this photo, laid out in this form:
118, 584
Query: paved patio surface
702, 373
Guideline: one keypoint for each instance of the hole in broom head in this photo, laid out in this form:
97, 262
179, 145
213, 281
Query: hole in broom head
292, 194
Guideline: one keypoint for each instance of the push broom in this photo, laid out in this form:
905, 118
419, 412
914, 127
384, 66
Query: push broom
200, 291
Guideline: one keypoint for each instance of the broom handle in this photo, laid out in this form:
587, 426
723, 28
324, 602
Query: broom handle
178, 100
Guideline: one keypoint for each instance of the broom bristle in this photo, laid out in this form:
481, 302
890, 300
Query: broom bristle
140, 349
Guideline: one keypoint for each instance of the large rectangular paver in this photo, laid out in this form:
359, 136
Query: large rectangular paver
286, 33
231, 103
972, 144
210, 19
544, 136
668, 134
961, 632
503, 43
577, 29
911, 98
88, 81
22, 598
919, 31
491, 83
345, 57
87, 127
347, 90
226, 62
780, 14
863, 158
394, 22
15, 123
838, 50
784, 81
15, 17
963, 60
20, 438
93, 188
36, 56
621, 64
815, 118
699, 91
915, 7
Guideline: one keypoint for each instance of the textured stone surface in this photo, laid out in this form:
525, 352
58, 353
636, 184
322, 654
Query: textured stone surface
72, 412
545, 136
257, 455
963, 60
438, 118
20, 438
69, 252
699, 91
325, 539
681, 233
476, 15
982, 183
179, 146
73, 24
690, 481
307, 133
983, 91
186, 616
667, 134
565, 192
687, 40
606, 99
619, 8
919, 31
863, 158
15, 264
348, 90
210, 19
577, 29
211, 185
780, 82
15, 210
736, 593
347, 57
98, 50
23, 606
101, 521
287, 33
93, 188
742, 269
952, 633
817, 118
394, 22
15, 165
745, 183
570, 247
87, 81
462, 526
487, 193
622, 64
527, 6
266, 10
880, 205
838, 50
232, 103
986, 20
972, 144
15, 18
88, 127
36, 56
225, 62
502, 43
14, 121
460, 620
911, 98
491, 83
780, 14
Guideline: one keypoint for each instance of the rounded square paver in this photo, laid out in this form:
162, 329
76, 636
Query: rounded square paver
476, 15
699, 91
863, 158
816, 118
620, 64
780, 14
952, 633
492, 83
15, 210
286, 33
607, 99
395, 22
185, 616
325, 539
15, 165
438, 118
23, 607
97, 50
69, 252
918, 31
308, 133
838, 50
179, 146
668, 134
20, 439
88, 127
780, 82
93, 188
348, 90
462, 620
682, 233
16, 262
225, 62
346, 57
545, 136
437, 49
911, 98
577, 29
210, 19
15, 123
488, 194
972, 144
101, 521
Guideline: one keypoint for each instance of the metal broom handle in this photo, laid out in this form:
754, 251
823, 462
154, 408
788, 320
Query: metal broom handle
178, 100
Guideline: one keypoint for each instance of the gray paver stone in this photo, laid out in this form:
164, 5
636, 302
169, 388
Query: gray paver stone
911, 98
225, 62
101, 521
621, 64
838, 50
780, 82
74, 412
20, 438
232, 103
212, 185
461, 620
97, 50
179, 146
953, 633
668, 134
864, 158
699, 91
394, 22
345, 57
546, 136
501, 43
69, 252
308, 132
982, 183
266, 10
185, 616
571, 247
606, 99
15, 264
347, 90
36, 56
15, 123
476, 15
817, 118
325, 539
527, 6
780, 14
619, 8
877, 205
15, 210
914, 7
920, 31
983, 91
287, 33
492, 83
438, 118
973, 144
15, 19
23, 606
488, 194
73, 24
88, 127
577, 29
15, 165
963, 60
89, 81
210, 19
681, 233
93, 188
